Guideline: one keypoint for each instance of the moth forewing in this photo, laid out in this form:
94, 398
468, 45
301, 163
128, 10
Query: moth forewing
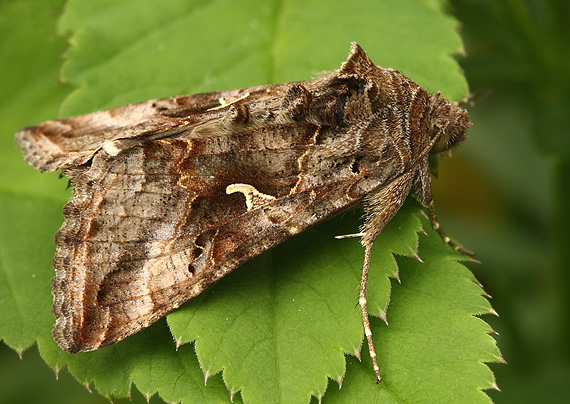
171, 195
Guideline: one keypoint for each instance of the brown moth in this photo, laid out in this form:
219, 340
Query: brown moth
171, 195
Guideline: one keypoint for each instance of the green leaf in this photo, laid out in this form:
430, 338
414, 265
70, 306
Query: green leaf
276, 329
30, 204
434, 347
287, 318
30, 65
123, 53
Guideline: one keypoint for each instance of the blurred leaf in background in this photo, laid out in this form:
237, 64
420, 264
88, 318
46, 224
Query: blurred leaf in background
514, 173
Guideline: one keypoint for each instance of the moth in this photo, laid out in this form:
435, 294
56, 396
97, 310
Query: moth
171, 195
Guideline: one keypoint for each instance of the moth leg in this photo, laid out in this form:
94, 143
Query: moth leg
443, 235
425, 197
353, 235
364, 308
381, 208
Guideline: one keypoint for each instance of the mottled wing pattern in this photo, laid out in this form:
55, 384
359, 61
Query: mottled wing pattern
154, 226
72, 142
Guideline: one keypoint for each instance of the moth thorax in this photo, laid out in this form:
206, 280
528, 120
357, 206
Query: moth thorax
450, 124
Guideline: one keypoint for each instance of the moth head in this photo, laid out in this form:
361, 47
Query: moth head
450, 124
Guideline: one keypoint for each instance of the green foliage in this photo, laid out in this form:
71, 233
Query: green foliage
517, 217
277, 328
432, 344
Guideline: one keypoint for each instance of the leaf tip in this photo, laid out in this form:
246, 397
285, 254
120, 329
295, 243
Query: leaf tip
397, 277
357, 355
417, 257
206, 377
339, 381
383, 311
320, 398
473, 260
86, 385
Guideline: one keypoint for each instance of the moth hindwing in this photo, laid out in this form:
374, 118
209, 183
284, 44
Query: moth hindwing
171, 195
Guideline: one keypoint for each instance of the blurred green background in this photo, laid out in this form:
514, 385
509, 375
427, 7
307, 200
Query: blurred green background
505, 195
514, 182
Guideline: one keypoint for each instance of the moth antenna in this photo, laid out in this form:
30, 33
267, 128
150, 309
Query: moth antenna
365, 319
444, 236
476, 96
466, 100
